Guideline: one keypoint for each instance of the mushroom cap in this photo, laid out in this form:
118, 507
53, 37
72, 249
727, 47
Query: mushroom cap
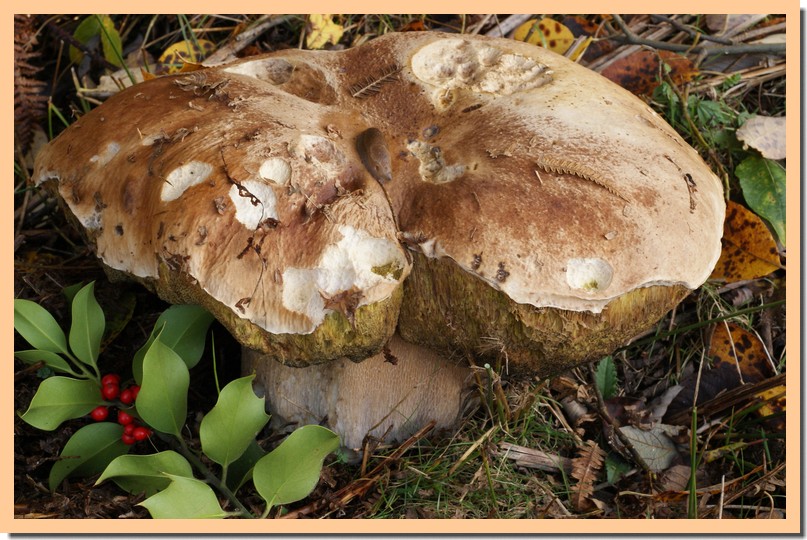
538, 198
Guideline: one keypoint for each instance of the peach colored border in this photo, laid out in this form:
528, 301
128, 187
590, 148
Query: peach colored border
789, 525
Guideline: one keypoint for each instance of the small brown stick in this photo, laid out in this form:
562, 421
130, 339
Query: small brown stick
633, 39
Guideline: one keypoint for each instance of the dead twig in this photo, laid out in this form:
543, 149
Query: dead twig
632, 39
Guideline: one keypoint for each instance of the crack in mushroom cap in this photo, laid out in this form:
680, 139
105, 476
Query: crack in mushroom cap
531, 173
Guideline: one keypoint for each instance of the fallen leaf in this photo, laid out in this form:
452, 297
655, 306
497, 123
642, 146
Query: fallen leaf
580, 26
766, 134
749, 250
774, 407
321, 30
763, 182
734, 345
731, 24
585, 469
641, 71
174, 58
653, 446
547, 33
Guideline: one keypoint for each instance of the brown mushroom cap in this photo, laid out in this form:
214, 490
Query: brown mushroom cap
552, 215
220, 190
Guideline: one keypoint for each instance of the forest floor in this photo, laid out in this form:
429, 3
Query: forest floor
682, 422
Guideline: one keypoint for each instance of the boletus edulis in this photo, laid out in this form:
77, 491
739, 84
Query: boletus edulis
365, 221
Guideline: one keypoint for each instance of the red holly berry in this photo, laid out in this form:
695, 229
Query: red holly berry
128, 439
127, 396
110, 378
110, 391
125, 418
141, 433
100, 413
128, 429
135, 390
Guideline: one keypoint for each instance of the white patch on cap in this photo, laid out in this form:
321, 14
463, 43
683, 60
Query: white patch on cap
252, 210
357, 261
106, 156
275, 170
589, 275
273, 70
458, 63
184, 177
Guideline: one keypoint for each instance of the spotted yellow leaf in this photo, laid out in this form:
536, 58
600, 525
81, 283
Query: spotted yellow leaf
546, 33
177, 55
321, 30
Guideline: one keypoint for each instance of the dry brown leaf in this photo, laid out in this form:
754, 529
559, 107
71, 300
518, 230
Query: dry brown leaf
585, 469
749, 250
640, 72
653, 446
580, 26
733, 345
729, 25
766, 134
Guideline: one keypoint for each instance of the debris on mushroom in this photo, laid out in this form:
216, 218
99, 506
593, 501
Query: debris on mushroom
458, 190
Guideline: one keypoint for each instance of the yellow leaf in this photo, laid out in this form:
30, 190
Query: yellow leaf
189, 51
749, 250
547, 33
321, 30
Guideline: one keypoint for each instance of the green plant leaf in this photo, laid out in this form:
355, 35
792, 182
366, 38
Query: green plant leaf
183, 329
615, 468
291, 471
71, 290
240, 471
233, 422
103, 27
87, 327
61, 398
184, 498
605, 377
38, 327
764, 185
163, 399
52, 360
147, 473
89, 451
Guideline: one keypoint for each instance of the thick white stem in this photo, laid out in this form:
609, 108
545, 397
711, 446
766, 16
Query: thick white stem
401, 391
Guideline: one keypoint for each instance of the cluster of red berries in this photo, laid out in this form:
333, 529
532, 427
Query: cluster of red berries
110, 391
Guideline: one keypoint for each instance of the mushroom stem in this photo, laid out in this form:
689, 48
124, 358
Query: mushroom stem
388, 396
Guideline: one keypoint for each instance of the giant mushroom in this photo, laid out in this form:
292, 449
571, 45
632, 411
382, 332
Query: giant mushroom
363, 221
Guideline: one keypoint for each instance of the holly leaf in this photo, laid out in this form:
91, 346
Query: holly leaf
137, 474
232, 424
38, 327
61, 398
764, 186
184, 498
182, 328
87, 326
163, 398
291, 471
52, 360
89, 451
